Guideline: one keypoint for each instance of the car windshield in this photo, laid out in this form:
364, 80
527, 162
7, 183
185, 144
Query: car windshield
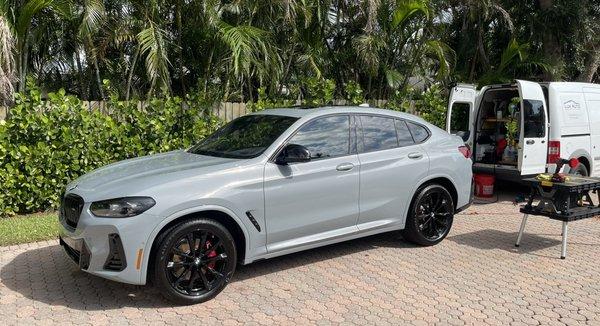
244, 137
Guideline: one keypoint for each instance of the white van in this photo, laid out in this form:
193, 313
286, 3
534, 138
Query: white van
521, 129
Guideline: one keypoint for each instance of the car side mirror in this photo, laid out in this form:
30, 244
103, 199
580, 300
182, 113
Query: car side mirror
293, 153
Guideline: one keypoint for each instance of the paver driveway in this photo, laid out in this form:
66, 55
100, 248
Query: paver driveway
475, 276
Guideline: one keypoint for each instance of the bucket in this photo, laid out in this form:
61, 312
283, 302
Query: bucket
484, 185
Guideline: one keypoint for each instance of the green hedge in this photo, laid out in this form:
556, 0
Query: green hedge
46, 144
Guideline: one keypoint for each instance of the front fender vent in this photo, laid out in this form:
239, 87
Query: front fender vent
116, 255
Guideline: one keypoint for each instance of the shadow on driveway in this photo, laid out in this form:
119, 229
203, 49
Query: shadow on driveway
491, 239
47, 275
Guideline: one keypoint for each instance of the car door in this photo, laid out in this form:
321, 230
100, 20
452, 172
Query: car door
313, 201
461, 108
392, 161
533, 133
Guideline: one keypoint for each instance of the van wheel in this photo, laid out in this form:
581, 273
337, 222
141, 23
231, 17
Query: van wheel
580, 170
194, 261
430, 216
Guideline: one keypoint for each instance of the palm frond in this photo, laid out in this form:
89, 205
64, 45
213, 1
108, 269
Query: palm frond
407, 9
92, 18
152, 45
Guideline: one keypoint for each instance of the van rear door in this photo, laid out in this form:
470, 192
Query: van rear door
461, 104
533, 133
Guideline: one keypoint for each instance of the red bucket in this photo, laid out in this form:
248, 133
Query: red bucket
484, 185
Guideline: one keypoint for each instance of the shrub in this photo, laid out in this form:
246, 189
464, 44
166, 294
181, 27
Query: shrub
45, 144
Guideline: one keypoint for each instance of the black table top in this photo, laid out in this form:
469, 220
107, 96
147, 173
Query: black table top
575, 183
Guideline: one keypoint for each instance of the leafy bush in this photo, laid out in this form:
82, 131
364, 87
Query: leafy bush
318, 91
430, 104
45, 144
354, 93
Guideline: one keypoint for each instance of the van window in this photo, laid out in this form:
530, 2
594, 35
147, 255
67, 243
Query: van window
459, 120
534, 121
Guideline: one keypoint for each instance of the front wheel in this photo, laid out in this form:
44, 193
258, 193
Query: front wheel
195, 261
430, 216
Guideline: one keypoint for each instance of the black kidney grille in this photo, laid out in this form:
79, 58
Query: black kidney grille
71, 208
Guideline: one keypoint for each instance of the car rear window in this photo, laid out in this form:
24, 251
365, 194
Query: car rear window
404, 136
419, 133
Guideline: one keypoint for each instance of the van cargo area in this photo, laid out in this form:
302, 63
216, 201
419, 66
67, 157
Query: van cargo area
496, 130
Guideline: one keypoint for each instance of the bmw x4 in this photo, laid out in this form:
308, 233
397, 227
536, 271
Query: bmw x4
264, 185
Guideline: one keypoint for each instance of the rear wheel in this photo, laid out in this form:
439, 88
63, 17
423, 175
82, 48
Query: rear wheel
195, 261
580, 170
430, 216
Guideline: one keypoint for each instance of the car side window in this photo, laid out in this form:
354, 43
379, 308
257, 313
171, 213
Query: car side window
404, 136
379, 133
419, 133
325, 137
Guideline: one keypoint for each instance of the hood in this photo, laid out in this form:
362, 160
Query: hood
147, 171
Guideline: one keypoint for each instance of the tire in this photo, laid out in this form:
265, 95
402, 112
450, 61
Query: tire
580, 170
423, 228
193, 274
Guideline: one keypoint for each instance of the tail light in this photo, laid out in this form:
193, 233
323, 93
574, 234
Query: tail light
465, 151
553, 151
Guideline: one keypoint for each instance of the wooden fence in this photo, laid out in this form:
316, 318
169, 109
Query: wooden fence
224, 110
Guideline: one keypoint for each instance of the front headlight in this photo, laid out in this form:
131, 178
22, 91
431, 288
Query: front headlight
122, 207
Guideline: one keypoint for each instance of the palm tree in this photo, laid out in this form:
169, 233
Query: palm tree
400, 42
7, 63
20, 17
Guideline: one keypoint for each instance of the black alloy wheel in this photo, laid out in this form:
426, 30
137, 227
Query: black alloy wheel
430, 216
196, 260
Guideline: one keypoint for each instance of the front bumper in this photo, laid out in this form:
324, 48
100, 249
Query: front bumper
111, 248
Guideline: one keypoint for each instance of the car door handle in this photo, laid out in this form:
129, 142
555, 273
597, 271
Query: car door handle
415, 155
345, 167
530, 142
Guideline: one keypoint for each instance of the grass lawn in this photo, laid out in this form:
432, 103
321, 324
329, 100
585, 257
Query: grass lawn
28, 228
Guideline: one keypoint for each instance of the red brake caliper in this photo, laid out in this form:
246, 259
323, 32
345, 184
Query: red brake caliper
211, 255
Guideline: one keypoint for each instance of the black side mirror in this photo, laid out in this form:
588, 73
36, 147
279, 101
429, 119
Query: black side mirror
293, 153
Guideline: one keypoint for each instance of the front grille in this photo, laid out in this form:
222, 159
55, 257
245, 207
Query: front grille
71, 208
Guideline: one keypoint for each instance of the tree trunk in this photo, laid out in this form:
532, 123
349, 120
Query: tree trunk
23, 63
92, 54
550, 45
82, 92
131, 70
591, 65
179, 41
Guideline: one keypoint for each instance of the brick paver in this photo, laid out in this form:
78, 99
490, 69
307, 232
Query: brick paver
475, 276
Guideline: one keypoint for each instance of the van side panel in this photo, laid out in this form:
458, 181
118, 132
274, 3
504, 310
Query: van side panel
569, 121
592, 99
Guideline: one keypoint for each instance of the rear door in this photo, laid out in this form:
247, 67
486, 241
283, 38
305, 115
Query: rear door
461, 108
533, 132
392, 161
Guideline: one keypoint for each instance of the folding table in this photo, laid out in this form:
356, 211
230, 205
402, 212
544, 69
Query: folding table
563, 201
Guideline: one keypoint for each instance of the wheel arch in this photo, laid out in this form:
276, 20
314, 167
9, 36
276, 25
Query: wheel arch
220, 214
443, 181
584, 157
